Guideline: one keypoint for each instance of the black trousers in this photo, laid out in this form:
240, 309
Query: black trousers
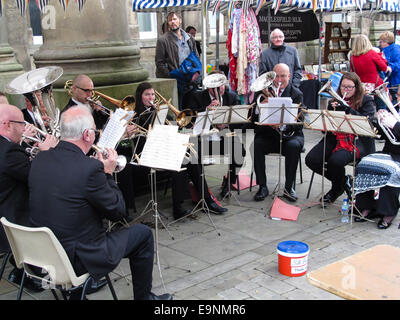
231, 147
139, 249
335, 162
291, 149
180, 183
387, 204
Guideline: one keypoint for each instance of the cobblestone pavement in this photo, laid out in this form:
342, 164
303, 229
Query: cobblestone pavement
233, 256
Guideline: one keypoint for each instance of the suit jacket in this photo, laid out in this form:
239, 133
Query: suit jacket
71, 194
268, 131
14, 170
99, 117
199, 100
28, 117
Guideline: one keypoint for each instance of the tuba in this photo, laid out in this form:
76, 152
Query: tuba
214, 81
381, 92
37, 87
265, 81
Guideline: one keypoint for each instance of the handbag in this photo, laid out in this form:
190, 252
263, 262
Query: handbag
369, 87
184, 73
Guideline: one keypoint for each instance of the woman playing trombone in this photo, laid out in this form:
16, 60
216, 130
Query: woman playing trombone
340, 147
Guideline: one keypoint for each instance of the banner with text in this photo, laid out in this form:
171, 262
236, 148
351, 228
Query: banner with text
296, 26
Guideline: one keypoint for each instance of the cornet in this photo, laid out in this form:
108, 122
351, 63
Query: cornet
121, 160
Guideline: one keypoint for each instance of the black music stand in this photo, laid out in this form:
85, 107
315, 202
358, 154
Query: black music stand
279, 116
226, 115
203, 122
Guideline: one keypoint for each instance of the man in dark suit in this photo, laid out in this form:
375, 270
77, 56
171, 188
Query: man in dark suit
82, 89
71, 193
14, 170
206, 99
267, 139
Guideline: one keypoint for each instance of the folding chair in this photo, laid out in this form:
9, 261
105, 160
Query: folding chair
40, 248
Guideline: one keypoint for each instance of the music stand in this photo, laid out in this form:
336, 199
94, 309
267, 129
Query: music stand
320, 120
278, 112
201, 128
338, 121
358, 126
226, 115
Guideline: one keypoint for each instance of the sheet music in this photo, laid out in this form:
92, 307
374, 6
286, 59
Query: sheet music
115, 128
203, 120
161, 115
271, 112
165, 148
231, 114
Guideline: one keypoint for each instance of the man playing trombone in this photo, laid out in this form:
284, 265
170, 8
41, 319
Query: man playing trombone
14, 170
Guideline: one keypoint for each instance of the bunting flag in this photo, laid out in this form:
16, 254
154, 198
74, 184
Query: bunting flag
21, 4
64, 3
80, 3
42, 5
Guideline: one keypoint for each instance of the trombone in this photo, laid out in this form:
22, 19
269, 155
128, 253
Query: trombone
183, 118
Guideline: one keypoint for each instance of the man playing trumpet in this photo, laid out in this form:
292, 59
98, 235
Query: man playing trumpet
14, 170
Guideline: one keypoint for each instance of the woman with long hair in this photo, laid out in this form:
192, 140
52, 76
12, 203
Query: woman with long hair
366, 62
340, 147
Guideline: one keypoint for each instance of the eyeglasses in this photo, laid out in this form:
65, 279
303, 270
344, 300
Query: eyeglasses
16, 121
347, 87
277, 37
85, 90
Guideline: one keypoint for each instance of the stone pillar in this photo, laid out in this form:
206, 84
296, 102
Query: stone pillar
18, 35
9, 67
95, 42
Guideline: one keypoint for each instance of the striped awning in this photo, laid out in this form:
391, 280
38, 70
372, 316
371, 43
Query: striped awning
139, 5
283, 5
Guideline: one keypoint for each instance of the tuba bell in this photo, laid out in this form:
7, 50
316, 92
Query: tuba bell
37, 87
265, 81
328, 87
382, 93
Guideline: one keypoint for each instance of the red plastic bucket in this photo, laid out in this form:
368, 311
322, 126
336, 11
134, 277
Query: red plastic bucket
293, 258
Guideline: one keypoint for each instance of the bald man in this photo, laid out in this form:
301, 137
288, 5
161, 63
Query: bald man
14, 170
71, 193
267, 138
3, 98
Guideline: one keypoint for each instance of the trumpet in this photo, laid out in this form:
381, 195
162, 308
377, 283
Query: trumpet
121, 160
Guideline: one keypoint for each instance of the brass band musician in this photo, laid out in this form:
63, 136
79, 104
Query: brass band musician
267, 138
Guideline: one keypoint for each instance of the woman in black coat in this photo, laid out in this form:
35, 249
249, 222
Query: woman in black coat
340, 147
380, 171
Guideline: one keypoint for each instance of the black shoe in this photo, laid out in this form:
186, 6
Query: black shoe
95, 286
371, 215
331, 196
290, 195
34, 285
382, 224
165, 296
179, 212
261, 193
215, 208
